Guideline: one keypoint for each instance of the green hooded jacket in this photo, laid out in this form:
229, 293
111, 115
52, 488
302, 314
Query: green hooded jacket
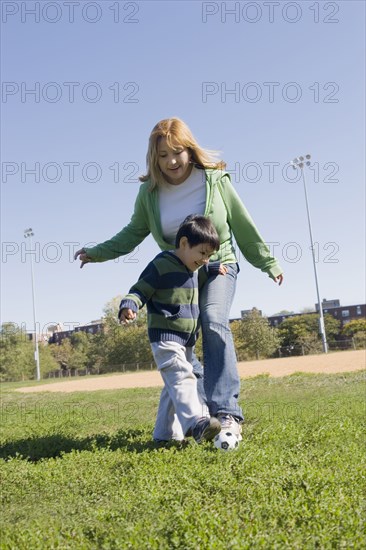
223, 206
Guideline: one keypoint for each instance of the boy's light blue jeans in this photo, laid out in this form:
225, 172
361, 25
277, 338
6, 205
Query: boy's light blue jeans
179, 406
221, 377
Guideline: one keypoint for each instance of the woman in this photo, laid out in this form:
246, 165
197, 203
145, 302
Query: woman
182, 179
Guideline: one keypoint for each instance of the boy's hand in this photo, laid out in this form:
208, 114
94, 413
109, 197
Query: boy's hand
222, 269
126, 315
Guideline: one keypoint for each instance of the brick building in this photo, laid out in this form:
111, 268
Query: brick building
344, 314
91, 328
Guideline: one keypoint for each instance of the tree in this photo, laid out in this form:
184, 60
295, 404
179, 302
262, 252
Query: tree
120, 344
62, 353
283, 312
111, 308
254, 337
307, 309
17, 355
80, 342
356, 330
125, 344
76, 352
47, 361
351, 328
302, 331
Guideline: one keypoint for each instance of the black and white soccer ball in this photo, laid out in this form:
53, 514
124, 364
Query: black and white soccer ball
226, 441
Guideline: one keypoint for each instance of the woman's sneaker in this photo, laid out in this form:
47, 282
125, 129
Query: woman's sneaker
206, 429
230, 424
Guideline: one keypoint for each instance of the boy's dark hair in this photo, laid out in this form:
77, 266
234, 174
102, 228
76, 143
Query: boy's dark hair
198, 230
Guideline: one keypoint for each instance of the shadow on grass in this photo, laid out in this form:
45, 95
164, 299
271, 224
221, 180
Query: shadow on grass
55, 445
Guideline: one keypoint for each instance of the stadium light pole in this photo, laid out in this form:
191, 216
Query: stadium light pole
300, 163
28, 234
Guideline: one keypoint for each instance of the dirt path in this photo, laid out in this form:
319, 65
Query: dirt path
345, 361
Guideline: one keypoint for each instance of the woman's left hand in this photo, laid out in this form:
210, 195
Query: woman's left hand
279, 279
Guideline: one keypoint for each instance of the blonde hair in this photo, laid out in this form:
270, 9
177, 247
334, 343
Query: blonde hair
177, 134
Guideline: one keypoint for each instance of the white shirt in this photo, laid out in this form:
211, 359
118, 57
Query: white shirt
176, 202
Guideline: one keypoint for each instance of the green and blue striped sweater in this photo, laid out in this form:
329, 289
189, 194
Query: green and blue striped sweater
170, 291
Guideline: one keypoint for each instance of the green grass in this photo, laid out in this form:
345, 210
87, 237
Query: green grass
79, 471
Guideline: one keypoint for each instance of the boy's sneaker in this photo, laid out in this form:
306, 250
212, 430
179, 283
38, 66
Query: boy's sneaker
206, 429
230, 424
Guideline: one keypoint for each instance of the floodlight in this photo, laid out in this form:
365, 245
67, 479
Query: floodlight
29, 233
299, 163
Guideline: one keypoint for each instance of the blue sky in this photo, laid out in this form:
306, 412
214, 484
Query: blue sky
262, 82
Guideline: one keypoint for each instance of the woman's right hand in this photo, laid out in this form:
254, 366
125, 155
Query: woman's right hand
83, 257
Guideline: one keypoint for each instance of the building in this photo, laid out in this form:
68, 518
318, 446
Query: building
344, 314
91, 328
246, 312
328, 304
42, 337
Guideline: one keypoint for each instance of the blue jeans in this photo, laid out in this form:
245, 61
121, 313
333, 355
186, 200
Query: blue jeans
221, 378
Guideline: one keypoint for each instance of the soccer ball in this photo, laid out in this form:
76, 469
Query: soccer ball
226, 441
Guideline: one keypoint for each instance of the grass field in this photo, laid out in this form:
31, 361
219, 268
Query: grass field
79, 471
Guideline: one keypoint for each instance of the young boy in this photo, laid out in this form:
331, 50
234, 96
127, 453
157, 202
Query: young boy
169, 287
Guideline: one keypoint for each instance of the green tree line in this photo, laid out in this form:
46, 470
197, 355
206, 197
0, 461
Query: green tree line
118, 348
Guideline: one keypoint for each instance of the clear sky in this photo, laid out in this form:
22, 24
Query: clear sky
262, 82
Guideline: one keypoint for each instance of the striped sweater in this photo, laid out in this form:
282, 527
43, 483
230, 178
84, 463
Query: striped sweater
170, 291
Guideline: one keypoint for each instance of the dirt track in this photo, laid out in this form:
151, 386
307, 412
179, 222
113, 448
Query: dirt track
345, 361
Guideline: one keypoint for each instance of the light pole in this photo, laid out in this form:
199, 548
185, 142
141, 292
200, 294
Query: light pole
300, 162
28, 234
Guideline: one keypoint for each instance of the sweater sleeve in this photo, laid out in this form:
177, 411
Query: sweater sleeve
142, 291
127, 239
246, 234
